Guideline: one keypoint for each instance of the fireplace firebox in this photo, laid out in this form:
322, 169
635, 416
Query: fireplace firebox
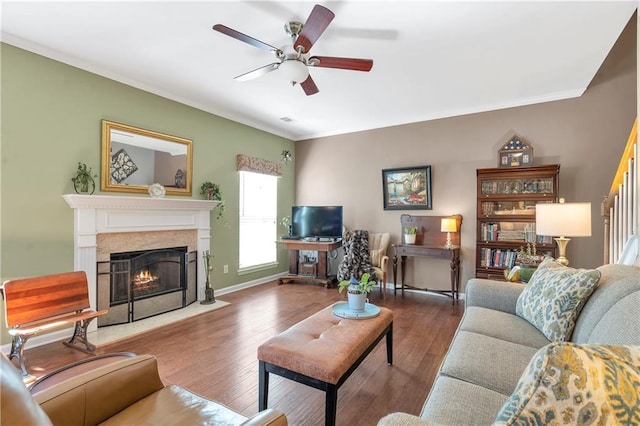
139, 284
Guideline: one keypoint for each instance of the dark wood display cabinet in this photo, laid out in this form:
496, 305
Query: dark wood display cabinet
506, 215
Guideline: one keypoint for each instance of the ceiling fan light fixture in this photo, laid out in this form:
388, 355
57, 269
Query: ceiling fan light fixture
293, 60
294, 70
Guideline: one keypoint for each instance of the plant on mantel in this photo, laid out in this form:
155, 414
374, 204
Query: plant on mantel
212, 191
83, 181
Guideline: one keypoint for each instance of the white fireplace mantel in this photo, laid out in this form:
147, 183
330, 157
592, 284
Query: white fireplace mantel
120, 202
98, 214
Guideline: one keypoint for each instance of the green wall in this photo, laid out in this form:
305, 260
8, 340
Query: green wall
51, 119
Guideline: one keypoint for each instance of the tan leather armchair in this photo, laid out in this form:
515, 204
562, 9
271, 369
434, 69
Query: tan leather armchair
125, 392
378, 244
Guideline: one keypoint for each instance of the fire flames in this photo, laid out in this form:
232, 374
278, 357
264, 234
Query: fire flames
144, 280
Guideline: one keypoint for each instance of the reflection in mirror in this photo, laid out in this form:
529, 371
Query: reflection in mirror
133, 159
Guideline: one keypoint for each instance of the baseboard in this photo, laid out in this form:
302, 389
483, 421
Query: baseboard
249, 284
66, 334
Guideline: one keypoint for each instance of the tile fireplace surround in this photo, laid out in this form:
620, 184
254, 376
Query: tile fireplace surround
108, 214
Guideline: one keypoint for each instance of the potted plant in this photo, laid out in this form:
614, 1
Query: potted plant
83, 181
212, 191
357, 291
410, 233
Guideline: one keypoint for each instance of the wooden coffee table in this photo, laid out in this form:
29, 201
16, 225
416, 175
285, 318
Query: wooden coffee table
322, 351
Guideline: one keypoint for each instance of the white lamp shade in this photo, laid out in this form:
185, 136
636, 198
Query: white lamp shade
448, 224
564, 219
294, 70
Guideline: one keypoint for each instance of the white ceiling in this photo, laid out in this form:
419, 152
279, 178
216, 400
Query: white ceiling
432, 59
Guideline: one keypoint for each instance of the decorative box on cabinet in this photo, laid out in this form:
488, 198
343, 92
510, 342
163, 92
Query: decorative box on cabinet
507, 216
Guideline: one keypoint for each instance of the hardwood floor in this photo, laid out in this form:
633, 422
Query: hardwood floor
214, 354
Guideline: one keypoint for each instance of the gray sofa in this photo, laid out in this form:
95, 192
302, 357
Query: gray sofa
493, 346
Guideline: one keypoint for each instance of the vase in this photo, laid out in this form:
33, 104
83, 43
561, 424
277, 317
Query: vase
526, 271
356, 301
409, 238
84, 185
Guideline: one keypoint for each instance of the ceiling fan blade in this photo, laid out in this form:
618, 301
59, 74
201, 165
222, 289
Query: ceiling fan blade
341, 63
318, 21
258, 72
245, 38
309, 86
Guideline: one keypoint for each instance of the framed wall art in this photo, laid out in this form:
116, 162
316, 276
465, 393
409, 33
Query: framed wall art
122, 166
407, 188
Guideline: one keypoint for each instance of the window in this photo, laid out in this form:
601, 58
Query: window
258, 210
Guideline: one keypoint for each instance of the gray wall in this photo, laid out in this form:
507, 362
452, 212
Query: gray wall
586, 135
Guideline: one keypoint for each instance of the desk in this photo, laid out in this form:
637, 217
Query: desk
403, 251
429, 243
322, 247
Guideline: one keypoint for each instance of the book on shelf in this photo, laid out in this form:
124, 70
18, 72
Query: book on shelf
497, 258
511, 236
490, 231
544, 239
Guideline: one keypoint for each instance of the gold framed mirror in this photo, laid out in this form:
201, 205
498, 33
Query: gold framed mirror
133, 159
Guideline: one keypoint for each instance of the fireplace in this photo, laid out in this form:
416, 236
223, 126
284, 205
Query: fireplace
139, 284
105, 224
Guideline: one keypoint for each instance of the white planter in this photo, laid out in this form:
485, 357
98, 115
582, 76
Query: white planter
356, 301
409, 238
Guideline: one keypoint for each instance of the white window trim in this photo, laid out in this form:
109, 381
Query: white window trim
258, 268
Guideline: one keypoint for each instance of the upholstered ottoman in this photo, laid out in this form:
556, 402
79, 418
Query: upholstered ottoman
322, 351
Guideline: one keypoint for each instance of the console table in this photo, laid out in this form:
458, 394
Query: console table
430, 243
320, 274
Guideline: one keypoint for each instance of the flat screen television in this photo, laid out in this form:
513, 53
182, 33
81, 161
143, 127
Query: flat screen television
316, 221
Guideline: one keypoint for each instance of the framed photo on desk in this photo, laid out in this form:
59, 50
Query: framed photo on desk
407, 188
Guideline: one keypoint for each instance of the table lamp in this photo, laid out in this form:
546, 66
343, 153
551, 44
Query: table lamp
448, 225
565, 220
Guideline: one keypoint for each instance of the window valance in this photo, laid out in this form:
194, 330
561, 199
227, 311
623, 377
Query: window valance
258, 165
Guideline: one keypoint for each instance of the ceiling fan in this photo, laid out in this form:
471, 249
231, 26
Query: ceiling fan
295, 60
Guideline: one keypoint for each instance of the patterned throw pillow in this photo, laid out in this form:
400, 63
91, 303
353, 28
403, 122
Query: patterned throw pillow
566, 383
554, 297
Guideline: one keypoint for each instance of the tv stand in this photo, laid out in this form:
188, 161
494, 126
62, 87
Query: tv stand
322, 247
